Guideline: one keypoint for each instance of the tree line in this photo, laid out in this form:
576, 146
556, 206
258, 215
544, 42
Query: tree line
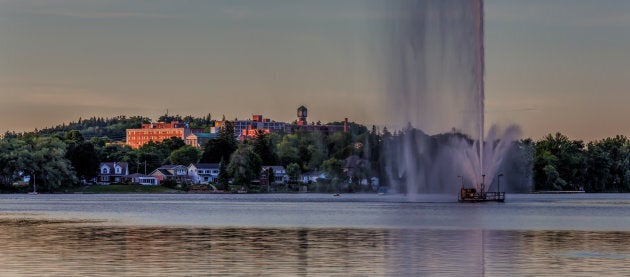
61, 157
597, 166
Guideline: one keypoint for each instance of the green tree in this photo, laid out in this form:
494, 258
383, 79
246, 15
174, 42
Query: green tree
116, 153
308, 150
608, 165
288, 149
263, 147
221, 147
84, 159
340, 145
15, 158
245, 165
224, 177
558, 154
334, 169
75, 137
293, 171
49, 167
317, 149
171, 144
149, 155
185, 155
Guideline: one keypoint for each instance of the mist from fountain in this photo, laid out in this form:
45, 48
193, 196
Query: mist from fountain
436, 75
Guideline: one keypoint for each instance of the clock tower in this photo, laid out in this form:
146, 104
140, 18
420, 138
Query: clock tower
302, 114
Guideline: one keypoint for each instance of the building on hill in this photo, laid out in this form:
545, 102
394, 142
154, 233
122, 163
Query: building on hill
302, 125
302, 113
244, 129
158, 132
199, 139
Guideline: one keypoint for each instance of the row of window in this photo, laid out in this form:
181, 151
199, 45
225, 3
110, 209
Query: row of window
206, 171
149, 137
105, 170
153, 132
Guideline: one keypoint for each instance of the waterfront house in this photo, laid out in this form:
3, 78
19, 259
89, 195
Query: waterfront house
312, 176
203, 173
179, 173
112, 172
279, 173
144, 180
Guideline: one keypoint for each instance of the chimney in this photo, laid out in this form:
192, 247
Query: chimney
345, 125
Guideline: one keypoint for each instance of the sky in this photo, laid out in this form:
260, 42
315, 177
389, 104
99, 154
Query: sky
551, 65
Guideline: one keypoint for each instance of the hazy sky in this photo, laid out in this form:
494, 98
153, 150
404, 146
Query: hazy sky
551, 65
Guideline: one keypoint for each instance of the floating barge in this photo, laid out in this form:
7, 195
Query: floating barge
472, 196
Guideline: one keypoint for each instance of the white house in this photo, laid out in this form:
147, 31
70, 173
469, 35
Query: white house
203, 173
112, 172
312, 176
144, 180
279, 173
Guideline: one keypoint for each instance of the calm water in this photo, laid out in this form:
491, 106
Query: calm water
313, 235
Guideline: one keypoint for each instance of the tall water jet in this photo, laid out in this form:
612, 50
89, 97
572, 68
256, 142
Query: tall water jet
436, 84
480, 61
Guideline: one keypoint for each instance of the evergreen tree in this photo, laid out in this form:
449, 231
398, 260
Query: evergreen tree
263, 147
221, 147
223, 179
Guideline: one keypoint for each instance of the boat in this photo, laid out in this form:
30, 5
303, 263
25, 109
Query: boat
470, 195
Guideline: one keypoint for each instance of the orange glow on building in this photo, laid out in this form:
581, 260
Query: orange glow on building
251, 133
156, 132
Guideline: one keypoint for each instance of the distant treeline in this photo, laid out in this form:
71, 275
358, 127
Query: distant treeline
598, 166
69, 154
112, 128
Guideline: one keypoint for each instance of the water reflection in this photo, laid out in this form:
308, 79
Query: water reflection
32, 247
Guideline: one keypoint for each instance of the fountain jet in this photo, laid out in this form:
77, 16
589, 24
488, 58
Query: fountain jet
436, 84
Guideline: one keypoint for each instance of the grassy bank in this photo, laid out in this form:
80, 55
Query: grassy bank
124, 189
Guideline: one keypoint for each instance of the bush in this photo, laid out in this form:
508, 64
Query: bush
169, 183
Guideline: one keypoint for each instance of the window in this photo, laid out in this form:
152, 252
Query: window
118, 170
104, 170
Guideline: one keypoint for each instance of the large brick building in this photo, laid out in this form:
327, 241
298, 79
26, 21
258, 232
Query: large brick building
244, 129
156, 132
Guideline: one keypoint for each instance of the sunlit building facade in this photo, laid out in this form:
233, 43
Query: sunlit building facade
156, 132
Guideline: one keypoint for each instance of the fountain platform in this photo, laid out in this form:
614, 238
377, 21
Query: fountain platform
470, 195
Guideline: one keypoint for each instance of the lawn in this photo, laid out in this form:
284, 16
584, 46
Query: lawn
125, 189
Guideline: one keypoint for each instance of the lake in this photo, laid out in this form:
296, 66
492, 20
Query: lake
313, 235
